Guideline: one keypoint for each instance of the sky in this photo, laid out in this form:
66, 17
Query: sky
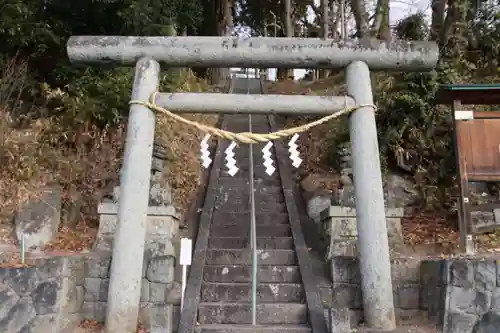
398, 10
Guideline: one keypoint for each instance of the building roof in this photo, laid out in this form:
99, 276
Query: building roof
480, 94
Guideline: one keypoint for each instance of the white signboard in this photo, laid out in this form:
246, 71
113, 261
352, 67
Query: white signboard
186, 251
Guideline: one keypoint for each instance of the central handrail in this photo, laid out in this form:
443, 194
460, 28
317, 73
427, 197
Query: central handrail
253, 231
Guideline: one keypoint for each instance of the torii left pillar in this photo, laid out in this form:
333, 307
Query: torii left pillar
128, 245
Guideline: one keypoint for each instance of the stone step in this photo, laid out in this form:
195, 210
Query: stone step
243, 198
259, 179
258, 164
239, 218
267, 208
214, 328
244, 172
258, 190
242, 243
242, 292
237, 313
244, 257
243, 273
244, 202
242, 157
243, 230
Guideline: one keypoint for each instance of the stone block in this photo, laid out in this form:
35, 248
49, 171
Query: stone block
47, 268
343, 227
43, 324
157, 292
69, 322
345, 247
316, 205
110, 208
347, 296
72, 297
342, 211
98, 266
407, 296
459, 322
96, 289
21, 280
176, 317
39, 219
433, 272
166, 225
339, 224
161, 269
94, 311
8, 299
406, 270
173, 293
356, 317
461, 300
160, 194
480, 219
339, 320
489, 323
157, 318
345, 269
394, 230
158, 246
430, 298
144, 290
103, 245
46, 296
460, 273
485, 277
19, 316
75, 268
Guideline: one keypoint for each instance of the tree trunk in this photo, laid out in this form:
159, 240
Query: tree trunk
381, 28
171, 30
288, 29
438, 10
224, 27
324, 32
361, 18
454, 35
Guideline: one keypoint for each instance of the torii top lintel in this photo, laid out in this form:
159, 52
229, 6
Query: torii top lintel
224, 52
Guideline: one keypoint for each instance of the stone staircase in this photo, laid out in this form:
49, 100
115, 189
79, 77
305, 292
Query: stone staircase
226, 298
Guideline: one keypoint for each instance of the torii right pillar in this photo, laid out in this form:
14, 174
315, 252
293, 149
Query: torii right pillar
373, 245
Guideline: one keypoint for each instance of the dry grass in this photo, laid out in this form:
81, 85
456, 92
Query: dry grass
84, 161
182, 141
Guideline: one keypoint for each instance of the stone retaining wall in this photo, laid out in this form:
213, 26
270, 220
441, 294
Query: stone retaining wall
462, 294
55, 294
160, 295
347, 292
46, 297
339, 226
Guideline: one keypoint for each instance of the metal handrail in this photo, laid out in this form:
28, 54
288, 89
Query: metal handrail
253, 231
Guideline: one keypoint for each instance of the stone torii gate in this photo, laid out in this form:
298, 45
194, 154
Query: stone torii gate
357, 57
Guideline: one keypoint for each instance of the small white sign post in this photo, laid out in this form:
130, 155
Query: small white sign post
185, 260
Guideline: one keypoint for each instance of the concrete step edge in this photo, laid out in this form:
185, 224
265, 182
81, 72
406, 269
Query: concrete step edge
258, 237
238, 265
248, 250
237, 284
256, 326
224, 304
